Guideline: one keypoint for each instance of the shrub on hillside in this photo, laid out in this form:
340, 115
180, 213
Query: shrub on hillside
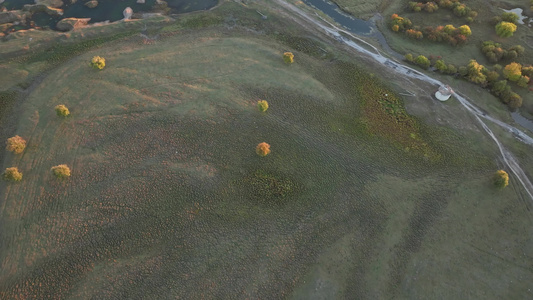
409, 57
98, 62
62, 110
414, 34
262, 105
505, 29
61, 171
500, 179
451, 69
262, 149
12, 174
16, 144
288, 57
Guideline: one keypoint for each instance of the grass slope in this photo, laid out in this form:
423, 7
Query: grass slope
168, 199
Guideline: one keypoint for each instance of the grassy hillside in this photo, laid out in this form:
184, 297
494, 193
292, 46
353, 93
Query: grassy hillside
168, 199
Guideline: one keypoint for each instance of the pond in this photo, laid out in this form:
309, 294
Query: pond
108, 9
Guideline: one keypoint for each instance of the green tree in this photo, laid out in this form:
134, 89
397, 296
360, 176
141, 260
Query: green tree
500, 179
492, 76
523, 81
98, 62
451, 69
12, 174
512, 71
16, 144
441, 66
515, 101
409, 57
422, 61
499, 87
510, 17
505, 29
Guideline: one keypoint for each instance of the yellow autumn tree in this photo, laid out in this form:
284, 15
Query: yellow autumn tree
262, 149
501, 179
12, 174
16, 144
288, 57
512, 71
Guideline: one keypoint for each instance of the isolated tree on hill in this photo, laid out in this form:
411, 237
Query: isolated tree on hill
500, 179
98, 62
262, 149
288, 57
61, 171
62, 110
512, 71
505, 29
16, 144
12, 174
262, 105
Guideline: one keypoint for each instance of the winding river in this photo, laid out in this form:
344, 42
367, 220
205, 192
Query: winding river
349, 38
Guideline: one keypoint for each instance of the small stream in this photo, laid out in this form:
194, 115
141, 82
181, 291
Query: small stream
350, 39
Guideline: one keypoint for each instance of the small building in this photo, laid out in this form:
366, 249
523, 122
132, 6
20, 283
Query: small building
444, 93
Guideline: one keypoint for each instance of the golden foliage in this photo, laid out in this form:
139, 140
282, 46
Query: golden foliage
288, 57
16, 144
98, 62
501, 179
61, 171
262, 105
262, 149
12, 174
62, 110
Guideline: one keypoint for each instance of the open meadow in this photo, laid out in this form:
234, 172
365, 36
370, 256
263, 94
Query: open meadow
366, 194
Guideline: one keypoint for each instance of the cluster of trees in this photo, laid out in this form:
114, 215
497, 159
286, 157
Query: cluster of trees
515, 72
419, 6
400, 24
494, 52
479, 74
448, 33
459, 9
506, 17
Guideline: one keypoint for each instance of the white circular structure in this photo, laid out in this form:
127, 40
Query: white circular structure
127, 13
444, 93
